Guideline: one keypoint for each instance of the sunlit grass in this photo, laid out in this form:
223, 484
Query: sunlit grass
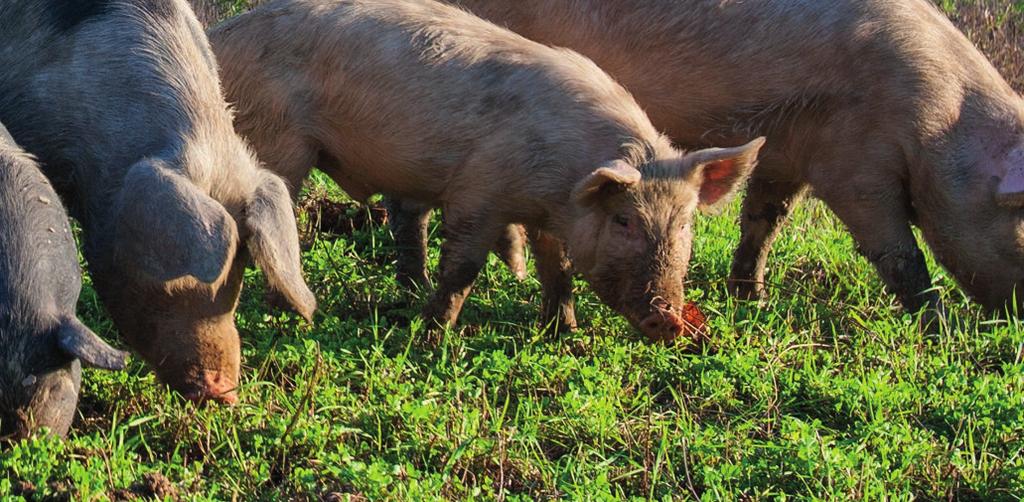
824, 390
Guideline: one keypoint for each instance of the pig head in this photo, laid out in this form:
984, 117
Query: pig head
632, 233
170, 267
971, 210
42, 371
42, 342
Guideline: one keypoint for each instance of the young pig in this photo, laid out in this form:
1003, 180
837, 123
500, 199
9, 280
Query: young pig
121, 104
881, 107
41, 339
423, 101
411, 235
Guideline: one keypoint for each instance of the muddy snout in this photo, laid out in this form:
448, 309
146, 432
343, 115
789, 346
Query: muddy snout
666, 322
213, 386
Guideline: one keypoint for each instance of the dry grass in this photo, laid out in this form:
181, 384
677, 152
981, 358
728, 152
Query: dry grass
997, 28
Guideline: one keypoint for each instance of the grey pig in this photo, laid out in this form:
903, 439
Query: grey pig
41, 338
121, 104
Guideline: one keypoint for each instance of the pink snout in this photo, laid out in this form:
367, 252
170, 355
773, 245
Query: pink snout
662, 325
214, 386
666, 323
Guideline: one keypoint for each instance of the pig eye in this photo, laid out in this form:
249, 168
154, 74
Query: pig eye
621, 220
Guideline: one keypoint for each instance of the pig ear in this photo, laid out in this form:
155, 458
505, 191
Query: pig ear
274, 243
1010, 192
617, 175
720, 172
77, 340
169, 229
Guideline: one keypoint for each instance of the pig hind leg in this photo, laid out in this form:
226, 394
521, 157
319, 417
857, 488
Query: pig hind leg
409, 223
555, 272
510, 248
768, 204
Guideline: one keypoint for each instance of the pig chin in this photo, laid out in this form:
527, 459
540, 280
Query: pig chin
984, 255
997, 294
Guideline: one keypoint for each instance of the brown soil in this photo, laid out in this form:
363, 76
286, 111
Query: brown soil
341, 218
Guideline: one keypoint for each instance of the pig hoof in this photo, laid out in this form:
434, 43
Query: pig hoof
433, 337
746, 289
933, 320
413, 279
560, 327
437, 318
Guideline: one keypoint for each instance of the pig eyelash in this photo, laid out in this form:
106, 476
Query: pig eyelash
622, 221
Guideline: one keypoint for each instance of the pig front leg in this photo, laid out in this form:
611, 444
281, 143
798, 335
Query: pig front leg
469, 236
875, 210
409, 221
555, 273
768, 204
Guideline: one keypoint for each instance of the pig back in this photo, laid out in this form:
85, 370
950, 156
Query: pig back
408, 93
39, 270
711, 71
91, 87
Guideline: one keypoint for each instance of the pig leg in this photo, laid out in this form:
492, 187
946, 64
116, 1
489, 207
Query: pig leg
875, 210
409, 225
510, 249
768, 204
469, 235
555, 272
409, 221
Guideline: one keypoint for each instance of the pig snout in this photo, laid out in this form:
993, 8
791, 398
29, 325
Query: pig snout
663, 324
212, 386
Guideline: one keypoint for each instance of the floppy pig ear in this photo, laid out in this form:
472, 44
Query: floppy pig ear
274, 243
77, 340
169, 229
720, 172
1010, 192
617, 174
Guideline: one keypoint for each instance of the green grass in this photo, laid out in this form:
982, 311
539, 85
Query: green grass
825, 390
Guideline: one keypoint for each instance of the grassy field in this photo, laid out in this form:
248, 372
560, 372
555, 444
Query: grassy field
825, 390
